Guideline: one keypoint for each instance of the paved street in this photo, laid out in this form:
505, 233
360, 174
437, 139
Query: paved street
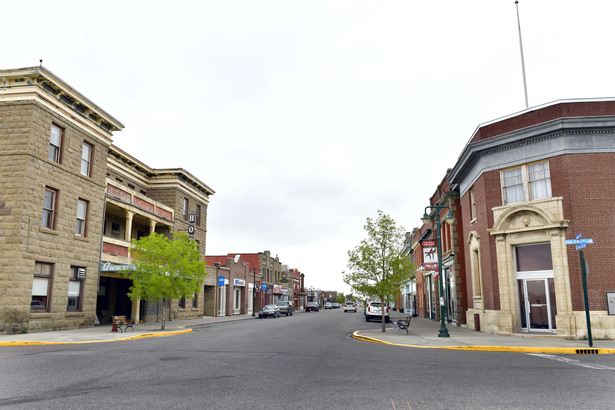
309, 360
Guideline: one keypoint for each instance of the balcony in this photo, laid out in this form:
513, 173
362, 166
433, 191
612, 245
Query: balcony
130, 214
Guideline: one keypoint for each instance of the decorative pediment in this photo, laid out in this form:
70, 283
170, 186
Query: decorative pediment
529, 216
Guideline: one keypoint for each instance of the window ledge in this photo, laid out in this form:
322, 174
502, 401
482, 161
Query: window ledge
40, 315
82, 238
47, 230
72, 313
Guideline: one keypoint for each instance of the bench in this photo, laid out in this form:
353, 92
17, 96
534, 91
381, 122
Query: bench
119, 321
403, 324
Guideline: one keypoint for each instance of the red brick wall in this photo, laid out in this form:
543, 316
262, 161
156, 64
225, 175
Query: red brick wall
587, 183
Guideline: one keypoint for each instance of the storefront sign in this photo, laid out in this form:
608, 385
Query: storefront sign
221, 280
239, 282
113, 267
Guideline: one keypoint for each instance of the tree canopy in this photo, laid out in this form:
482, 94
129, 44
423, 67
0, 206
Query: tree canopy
165, 268
377, 266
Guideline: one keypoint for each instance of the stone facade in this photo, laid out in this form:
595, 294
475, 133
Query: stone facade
31, 102
63, 187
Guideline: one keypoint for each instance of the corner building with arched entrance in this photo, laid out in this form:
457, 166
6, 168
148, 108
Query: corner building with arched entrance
527, 183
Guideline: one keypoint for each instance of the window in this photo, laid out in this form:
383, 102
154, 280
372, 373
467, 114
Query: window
74, 289
195, 300
540, 180
198, 215
185, 210
49, 207
86, 159
181, 303
82, 211
55, 143
472, 204
528, 182
41, 287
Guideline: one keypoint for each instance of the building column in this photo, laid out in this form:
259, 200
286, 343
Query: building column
128, 233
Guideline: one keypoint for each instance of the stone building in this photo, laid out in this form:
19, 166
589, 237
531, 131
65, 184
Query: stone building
69, 204
527, 183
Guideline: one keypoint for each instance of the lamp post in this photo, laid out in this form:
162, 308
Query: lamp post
450, 219
254, 292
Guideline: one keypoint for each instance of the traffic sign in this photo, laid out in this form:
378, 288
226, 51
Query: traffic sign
578, 241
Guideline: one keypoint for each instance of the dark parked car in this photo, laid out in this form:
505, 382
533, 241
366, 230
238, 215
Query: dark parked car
286, 307
312, 307
269, 310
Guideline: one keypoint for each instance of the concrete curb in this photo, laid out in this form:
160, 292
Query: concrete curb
144, 335
514, 349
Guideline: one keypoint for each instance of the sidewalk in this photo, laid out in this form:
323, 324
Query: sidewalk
423, 333
103, 333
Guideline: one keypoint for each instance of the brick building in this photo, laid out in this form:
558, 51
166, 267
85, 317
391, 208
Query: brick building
69, 200
527, 183
235, 285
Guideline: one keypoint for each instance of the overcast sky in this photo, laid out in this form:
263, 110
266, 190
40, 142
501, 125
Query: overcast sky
307, 117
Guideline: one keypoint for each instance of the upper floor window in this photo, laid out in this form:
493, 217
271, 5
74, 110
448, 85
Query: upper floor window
55, 143
49, 208
82, 211
198, 215
185, 210
527, 182
86, 159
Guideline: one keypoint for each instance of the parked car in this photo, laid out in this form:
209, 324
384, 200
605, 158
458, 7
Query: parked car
335, 305
286, 307
350, 307
269, 310
328, 305
373, 310
312, 307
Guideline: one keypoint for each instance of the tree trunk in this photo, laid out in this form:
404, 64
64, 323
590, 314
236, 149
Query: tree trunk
382, 312
164, 314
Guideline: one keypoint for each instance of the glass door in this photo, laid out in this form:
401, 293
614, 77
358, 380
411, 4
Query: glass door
537, 304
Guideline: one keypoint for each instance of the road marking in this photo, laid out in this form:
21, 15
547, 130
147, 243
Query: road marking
573, 362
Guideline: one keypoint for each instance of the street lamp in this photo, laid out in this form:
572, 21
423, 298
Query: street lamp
254, 292
450, 219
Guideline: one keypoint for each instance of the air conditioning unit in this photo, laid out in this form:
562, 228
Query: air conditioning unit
80, 273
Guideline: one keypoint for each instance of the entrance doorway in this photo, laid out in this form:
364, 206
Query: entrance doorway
536, 287
537, 303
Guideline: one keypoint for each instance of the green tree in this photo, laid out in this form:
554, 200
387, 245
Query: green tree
377, 266
340, 298
165, 269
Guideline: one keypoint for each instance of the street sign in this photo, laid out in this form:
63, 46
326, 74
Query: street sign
579, 235
581, 246
264, 286
578, 241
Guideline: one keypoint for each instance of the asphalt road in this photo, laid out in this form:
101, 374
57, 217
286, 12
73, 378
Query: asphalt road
306, 361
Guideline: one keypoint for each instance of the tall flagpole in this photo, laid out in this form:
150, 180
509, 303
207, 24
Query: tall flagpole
522, 60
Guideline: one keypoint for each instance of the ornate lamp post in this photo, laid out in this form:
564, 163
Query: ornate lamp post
450, 219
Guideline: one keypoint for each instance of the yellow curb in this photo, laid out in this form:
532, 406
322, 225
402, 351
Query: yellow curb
553, 350
159, 334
